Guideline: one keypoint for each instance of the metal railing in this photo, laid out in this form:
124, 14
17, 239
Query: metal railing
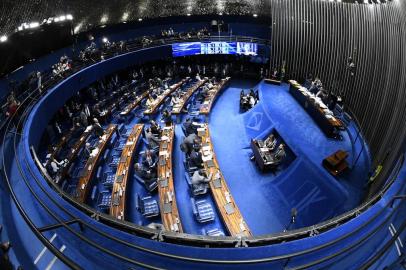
184, 239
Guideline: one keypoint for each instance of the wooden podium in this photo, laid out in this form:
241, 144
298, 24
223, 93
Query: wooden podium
336, 163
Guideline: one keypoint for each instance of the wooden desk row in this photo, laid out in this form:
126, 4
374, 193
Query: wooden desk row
159, 100
213, 93
91, 164
177, 109
327, 122
167, 198
130, 107
60, 145
229, 211
119, 192
72, 155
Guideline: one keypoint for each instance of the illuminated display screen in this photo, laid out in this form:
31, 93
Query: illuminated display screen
197, 48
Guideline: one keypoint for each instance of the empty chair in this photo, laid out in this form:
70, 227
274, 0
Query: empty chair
213, 232
114, 160
104, 200
202, 210
197, 189
147, 206
119, 145
108, 179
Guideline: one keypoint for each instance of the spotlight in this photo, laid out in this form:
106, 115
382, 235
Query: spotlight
188, 14
105, 40
3, 38
140, 19
62, 18
69, 17
255, 15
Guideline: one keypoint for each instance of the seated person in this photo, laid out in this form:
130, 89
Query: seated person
200, 179
316, 85
151, 139
196, 157
198, 77
275, 74
167, 117
270, 142
280, 153
55, 166
174, 100
189, 127
155, 128
97, 128
187, 145
150, 102
147, 175
149, 160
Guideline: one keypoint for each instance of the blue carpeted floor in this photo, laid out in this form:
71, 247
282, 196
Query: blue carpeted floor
304, 184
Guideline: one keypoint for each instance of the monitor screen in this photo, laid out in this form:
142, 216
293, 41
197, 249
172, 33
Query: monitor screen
197, 48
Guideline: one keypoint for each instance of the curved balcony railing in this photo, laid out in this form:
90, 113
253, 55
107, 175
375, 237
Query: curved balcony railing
192, 240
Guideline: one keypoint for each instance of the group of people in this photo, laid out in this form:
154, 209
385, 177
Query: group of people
248, 101
62, 66
192, 147
316, 87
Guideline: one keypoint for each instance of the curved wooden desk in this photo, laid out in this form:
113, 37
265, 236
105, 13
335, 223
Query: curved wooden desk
229, 211
213, 93
158, 101
167, 199
177, 109
118, 197
130, 107
91, 164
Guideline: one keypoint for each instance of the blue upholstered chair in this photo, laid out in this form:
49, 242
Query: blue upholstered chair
147, 206
202, 210
104, 200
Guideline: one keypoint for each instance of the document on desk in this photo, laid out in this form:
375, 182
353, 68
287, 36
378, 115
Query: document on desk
163, 153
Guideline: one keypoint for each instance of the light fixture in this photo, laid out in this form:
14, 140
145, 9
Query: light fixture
105, 40
3, 38
221, 13
188, 14
255, 15
140, 19
62, 18
69, 17
34, 25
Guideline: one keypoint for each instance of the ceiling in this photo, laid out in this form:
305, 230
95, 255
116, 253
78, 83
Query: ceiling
89, 13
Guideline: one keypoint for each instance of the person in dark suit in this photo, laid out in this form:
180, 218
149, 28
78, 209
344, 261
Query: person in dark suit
189, 127
167, 118
196, 158
97, 128
149, 160
151, 139
144, 173
155, 128
187, 144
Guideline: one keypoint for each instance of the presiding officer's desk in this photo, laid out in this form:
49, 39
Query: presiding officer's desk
316, 109
263, 156
91, 165
167, 198
177, 109
213, 93
118, 198
226, 205
159, 100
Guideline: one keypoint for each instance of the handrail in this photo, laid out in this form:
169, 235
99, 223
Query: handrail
293, 235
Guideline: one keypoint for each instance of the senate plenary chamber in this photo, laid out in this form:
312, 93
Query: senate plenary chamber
203, 134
